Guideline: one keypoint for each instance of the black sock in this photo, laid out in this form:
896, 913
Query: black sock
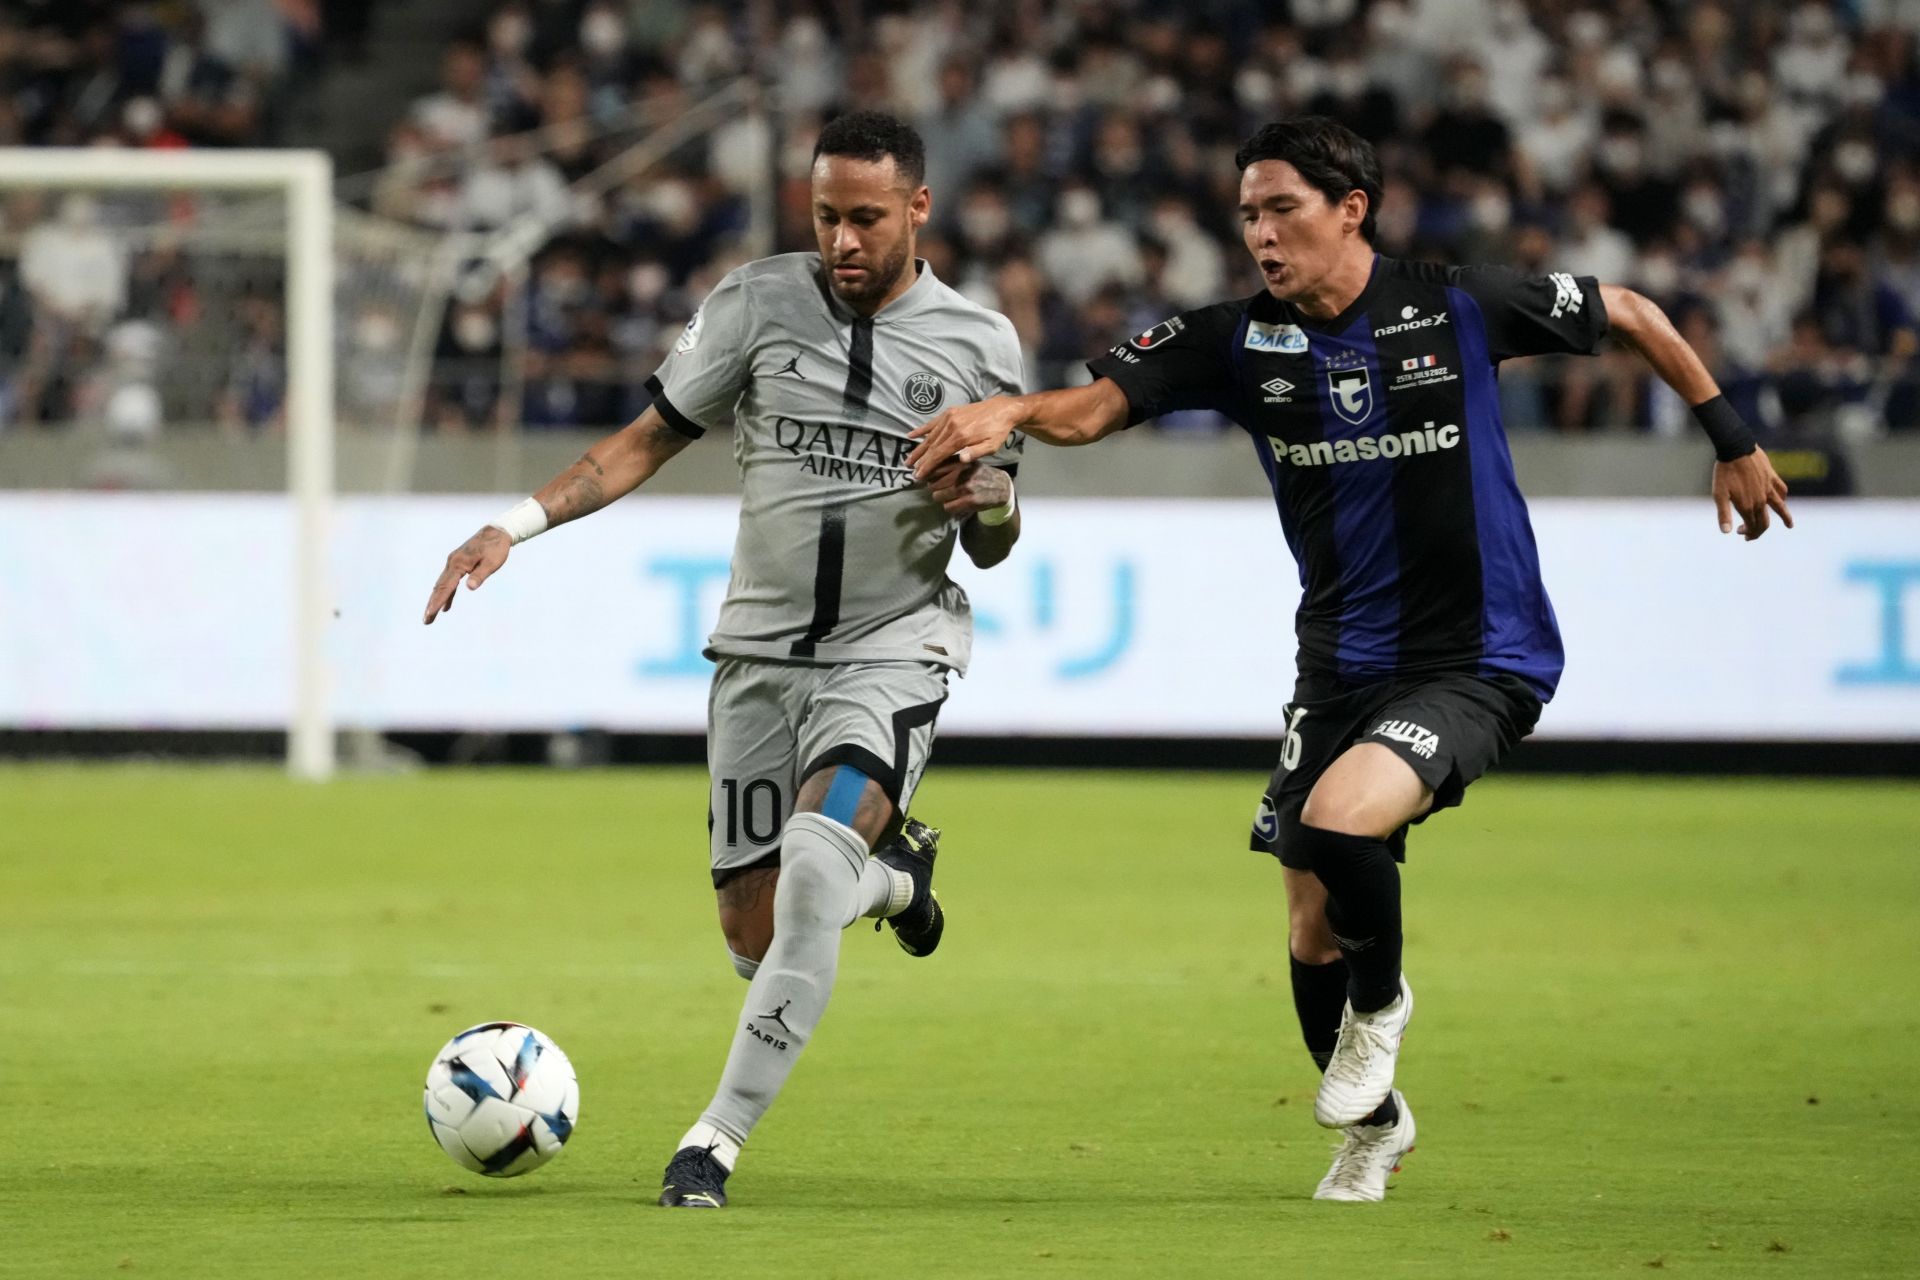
1319, 997
1363, 906
1388, 1112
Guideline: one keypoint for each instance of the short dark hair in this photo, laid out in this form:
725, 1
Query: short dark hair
1331, 157
875, 135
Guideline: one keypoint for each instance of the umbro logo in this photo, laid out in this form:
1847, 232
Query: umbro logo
1277, 390
1421, 741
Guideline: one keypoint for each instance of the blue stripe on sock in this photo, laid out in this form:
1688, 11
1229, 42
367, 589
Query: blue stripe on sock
843, 795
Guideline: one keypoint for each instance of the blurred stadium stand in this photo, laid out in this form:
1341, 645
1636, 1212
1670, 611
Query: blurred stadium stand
1751, 166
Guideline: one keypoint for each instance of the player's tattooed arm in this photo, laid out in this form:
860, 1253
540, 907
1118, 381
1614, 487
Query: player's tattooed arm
964, 490
970, 432
614, 467
1747, 484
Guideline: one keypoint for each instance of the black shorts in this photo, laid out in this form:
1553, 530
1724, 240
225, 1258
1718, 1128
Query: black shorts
1449, 728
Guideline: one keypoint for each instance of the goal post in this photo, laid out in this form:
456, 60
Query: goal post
303, 180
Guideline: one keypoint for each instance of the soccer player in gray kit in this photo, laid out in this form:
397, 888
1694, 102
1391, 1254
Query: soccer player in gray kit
840, 625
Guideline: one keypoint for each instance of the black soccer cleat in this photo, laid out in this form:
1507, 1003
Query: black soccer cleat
694, 1180
918, 928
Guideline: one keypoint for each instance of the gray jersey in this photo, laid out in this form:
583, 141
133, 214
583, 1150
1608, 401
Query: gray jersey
840, 556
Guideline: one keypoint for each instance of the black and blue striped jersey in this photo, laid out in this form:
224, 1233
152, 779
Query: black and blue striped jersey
1380, 432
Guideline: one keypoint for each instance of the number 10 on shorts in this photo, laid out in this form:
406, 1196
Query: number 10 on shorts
754, 807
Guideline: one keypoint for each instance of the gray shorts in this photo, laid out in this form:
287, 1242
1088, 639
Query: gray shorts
773, 725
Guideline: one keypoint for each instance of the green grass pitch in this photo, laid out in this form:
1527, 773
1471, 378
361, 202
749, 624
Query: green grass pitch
1662, 1025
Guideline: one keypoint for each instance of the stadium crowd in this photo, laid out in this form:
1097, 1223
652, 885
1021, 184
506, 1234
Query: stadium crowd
1755, 167
87, 312
1751, 167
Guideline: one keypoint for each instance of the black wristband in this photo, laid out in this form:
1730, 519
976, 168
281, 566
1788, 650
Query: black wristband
1732, 438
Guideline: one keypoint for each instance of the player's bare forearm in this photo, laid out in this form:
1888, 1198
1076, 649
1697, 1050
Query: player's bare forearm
1638, 322
615, 466
969, 432
1744, 481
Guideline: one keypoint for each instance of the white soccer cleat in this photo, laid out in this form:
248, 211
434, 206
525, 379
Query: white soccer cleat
1360, 1075
1365, 1157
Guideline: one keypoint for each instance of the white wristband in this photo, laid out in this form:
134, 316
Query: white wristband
1000, 514
522, 520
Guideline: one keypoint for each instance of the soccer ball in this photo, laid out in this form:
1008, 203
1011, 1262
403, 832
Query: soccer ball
501, 1099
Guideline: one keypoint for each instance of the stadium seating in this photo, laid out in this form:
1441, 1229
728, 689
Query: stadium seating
1755, 171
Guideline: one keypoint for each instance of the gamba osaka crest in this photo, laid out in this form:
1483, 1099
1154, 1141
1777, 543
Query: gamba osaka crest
924, 392
1351, 391
1160, 333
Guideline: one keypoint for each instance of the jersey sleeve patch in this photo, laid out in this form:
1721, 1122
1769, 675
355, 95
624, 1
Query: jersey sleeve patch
1162, 333
1184, 362
690, 336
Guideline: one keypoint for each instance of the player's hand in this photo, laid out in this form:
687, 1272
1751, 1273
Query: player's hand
965, 489
966, 433
1749, 486
475, 560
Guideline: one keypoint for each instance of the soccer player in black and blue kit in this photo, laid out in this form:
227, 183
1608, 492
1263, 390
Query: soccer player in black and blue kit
1427, 646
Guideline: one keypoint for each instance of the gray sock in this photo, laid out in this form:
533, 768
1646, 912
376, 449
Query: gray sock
883, 891
818, 895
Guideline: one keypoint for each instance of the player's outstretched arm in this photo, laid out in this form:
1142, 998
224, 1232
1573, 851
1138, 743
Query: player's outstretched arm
1743, 479
970, 432
615, 466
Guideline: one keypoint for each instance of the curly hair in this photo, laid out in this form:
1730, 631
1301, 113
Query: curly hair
875, 135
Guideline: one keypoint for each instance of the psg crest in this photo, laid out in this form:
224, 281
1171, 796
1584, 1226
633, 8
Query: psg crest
924, 392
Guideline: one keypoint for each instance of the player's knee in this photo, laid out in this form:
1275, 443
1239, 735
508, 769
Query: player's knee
818, 873
811, 892
1309, 933
1317, 951
1310, 936
1369, 791
1347, 811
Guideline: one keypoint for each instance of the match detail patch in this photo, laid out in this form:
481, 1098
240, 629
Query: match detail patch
1159, 334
